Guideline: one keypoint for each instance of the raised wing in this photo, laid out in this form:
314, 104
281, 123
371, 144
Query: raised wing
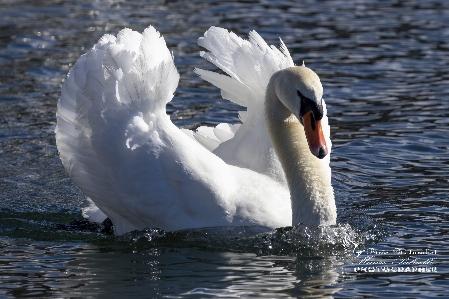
249, 65
104, 112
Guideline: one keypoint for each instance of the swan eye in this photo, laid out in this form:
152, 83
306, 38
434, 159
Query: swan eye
309, 105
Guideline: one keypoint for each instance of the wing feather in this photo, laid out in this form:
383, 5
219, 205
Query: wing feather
249, 64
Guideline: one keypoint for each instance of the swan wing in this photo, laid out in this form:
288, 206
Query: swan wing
120, 148
249, 64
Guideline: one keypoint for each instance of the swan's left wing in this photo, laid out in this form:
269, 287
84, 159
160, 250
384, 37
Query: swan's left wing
110, 104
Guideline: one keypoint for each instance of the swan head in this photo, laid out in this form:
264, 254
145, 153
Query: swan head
300, 90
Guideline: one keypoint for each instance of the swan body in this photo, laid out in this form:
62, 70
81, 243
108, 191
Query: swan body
121, 149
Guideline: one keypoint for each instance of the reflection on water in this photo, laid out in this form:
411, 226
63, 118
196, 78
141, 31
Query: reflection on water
383, 65
69, 269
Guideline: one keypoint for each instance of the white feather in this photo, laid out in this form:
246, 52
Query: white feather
120, 148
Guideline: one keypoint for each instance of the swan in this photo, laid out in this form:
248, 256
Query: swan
120, 147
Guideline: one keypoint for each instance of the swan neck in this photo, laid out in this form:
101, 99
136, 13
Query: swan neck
308, 177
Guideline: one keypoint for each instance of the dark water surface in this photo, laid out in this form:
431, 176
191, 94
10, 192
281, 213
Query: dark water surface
384, 69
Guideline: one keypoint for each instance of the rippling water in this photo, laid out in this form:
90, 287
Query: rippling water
384, 69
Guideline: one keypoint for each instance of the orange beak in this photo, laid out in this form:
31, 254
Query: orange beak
314, 135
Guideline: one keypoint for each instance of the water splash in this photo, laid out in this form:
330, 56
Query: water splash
321, 241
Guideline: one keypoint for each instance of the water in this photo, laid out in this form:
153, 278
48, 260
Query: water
383, 65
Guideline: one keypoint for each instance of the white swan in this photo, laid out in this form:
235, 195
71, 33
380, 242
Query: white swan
120, 148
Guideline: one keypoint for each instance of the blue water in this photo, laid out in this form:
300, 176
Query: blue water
384, 69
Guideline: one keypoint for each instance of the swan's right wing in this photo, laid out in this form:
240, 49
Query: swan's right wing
249, 65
